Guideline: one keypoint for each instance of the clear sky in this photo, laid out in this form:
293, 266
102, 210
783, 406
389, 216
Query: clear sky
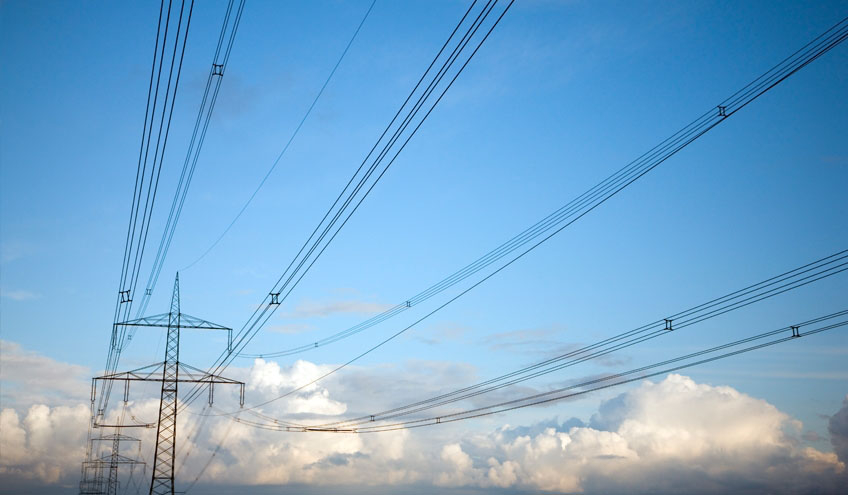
560, 96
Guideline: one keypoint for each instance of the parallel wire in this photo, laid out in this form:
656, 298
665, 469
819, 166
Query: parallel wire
593, 385
268, 307
146, 185
214, 79
211, 458
756, 89
139, 175
150, 113
779, 284
129, 276
288, 143
603, 190
650, 160
192, 439
772, 78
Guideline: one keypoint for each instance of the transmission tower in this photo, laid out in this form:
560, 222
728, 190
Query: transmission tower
170, 373
100, 471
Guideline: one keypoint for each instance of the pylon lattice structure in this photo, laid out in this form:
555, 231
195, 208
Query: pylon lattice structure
100, 472
170, 373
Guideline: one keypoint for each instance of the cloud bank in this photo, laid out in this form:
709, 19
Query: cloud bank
670, 436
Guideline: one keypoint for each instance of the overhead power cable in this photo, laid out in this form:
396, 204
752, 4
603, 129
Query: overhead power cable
779, 284
161, 98
758, 87
226, 38
576, 208
192, 439
600, 193
213, 85
211, 458
288, 143
773, 76
819, 325
438, 82
753, 90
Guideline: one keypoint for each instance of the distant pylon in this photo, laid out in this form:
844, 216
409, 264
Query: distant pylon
100, 472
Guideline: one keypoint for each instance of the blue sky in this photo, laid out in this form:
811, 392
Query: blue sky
561, 95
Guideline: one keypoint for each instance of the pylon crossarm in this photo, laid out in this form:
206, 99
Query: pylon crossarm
118, 459
153, 373
161, 320
126, 425
200, 376
115, 436
141, 374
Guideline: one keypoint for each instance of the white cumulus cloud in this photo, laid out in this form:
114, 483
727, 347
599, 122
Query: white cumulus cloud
670, 436
673, 436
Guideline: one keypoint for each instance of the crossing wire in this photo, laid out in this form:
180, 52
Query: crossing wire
220, 62
779, 284
288, 143
746, 95
586, 387
573, 210
270, 302
602, 192
213, 84
140, 229
753, 90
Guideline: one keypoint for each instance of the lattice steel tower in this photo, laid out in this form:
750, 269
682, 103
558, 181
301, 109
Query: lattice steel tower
166, 431
170, 373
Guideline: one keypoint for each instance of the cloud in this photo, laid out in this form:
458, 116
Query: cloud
544, 343
30, 378
838, 429
270, 381
530, 341
19, 295
661, 437
291, 328
47, 444
440, 333
14, 250
311, 309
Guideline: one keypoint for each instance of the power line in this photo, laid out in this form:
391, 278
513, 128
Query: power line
602, 192
304, 260
226, 38
779, 284
213, 85
790, 332
130, 226
146, 185
759, 86
575, 209
288, 143
135, 249
211, 458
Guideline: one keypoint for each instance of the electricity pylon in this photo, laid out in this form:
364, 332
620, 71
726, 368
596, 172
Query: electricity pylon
100, 472
170, 373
